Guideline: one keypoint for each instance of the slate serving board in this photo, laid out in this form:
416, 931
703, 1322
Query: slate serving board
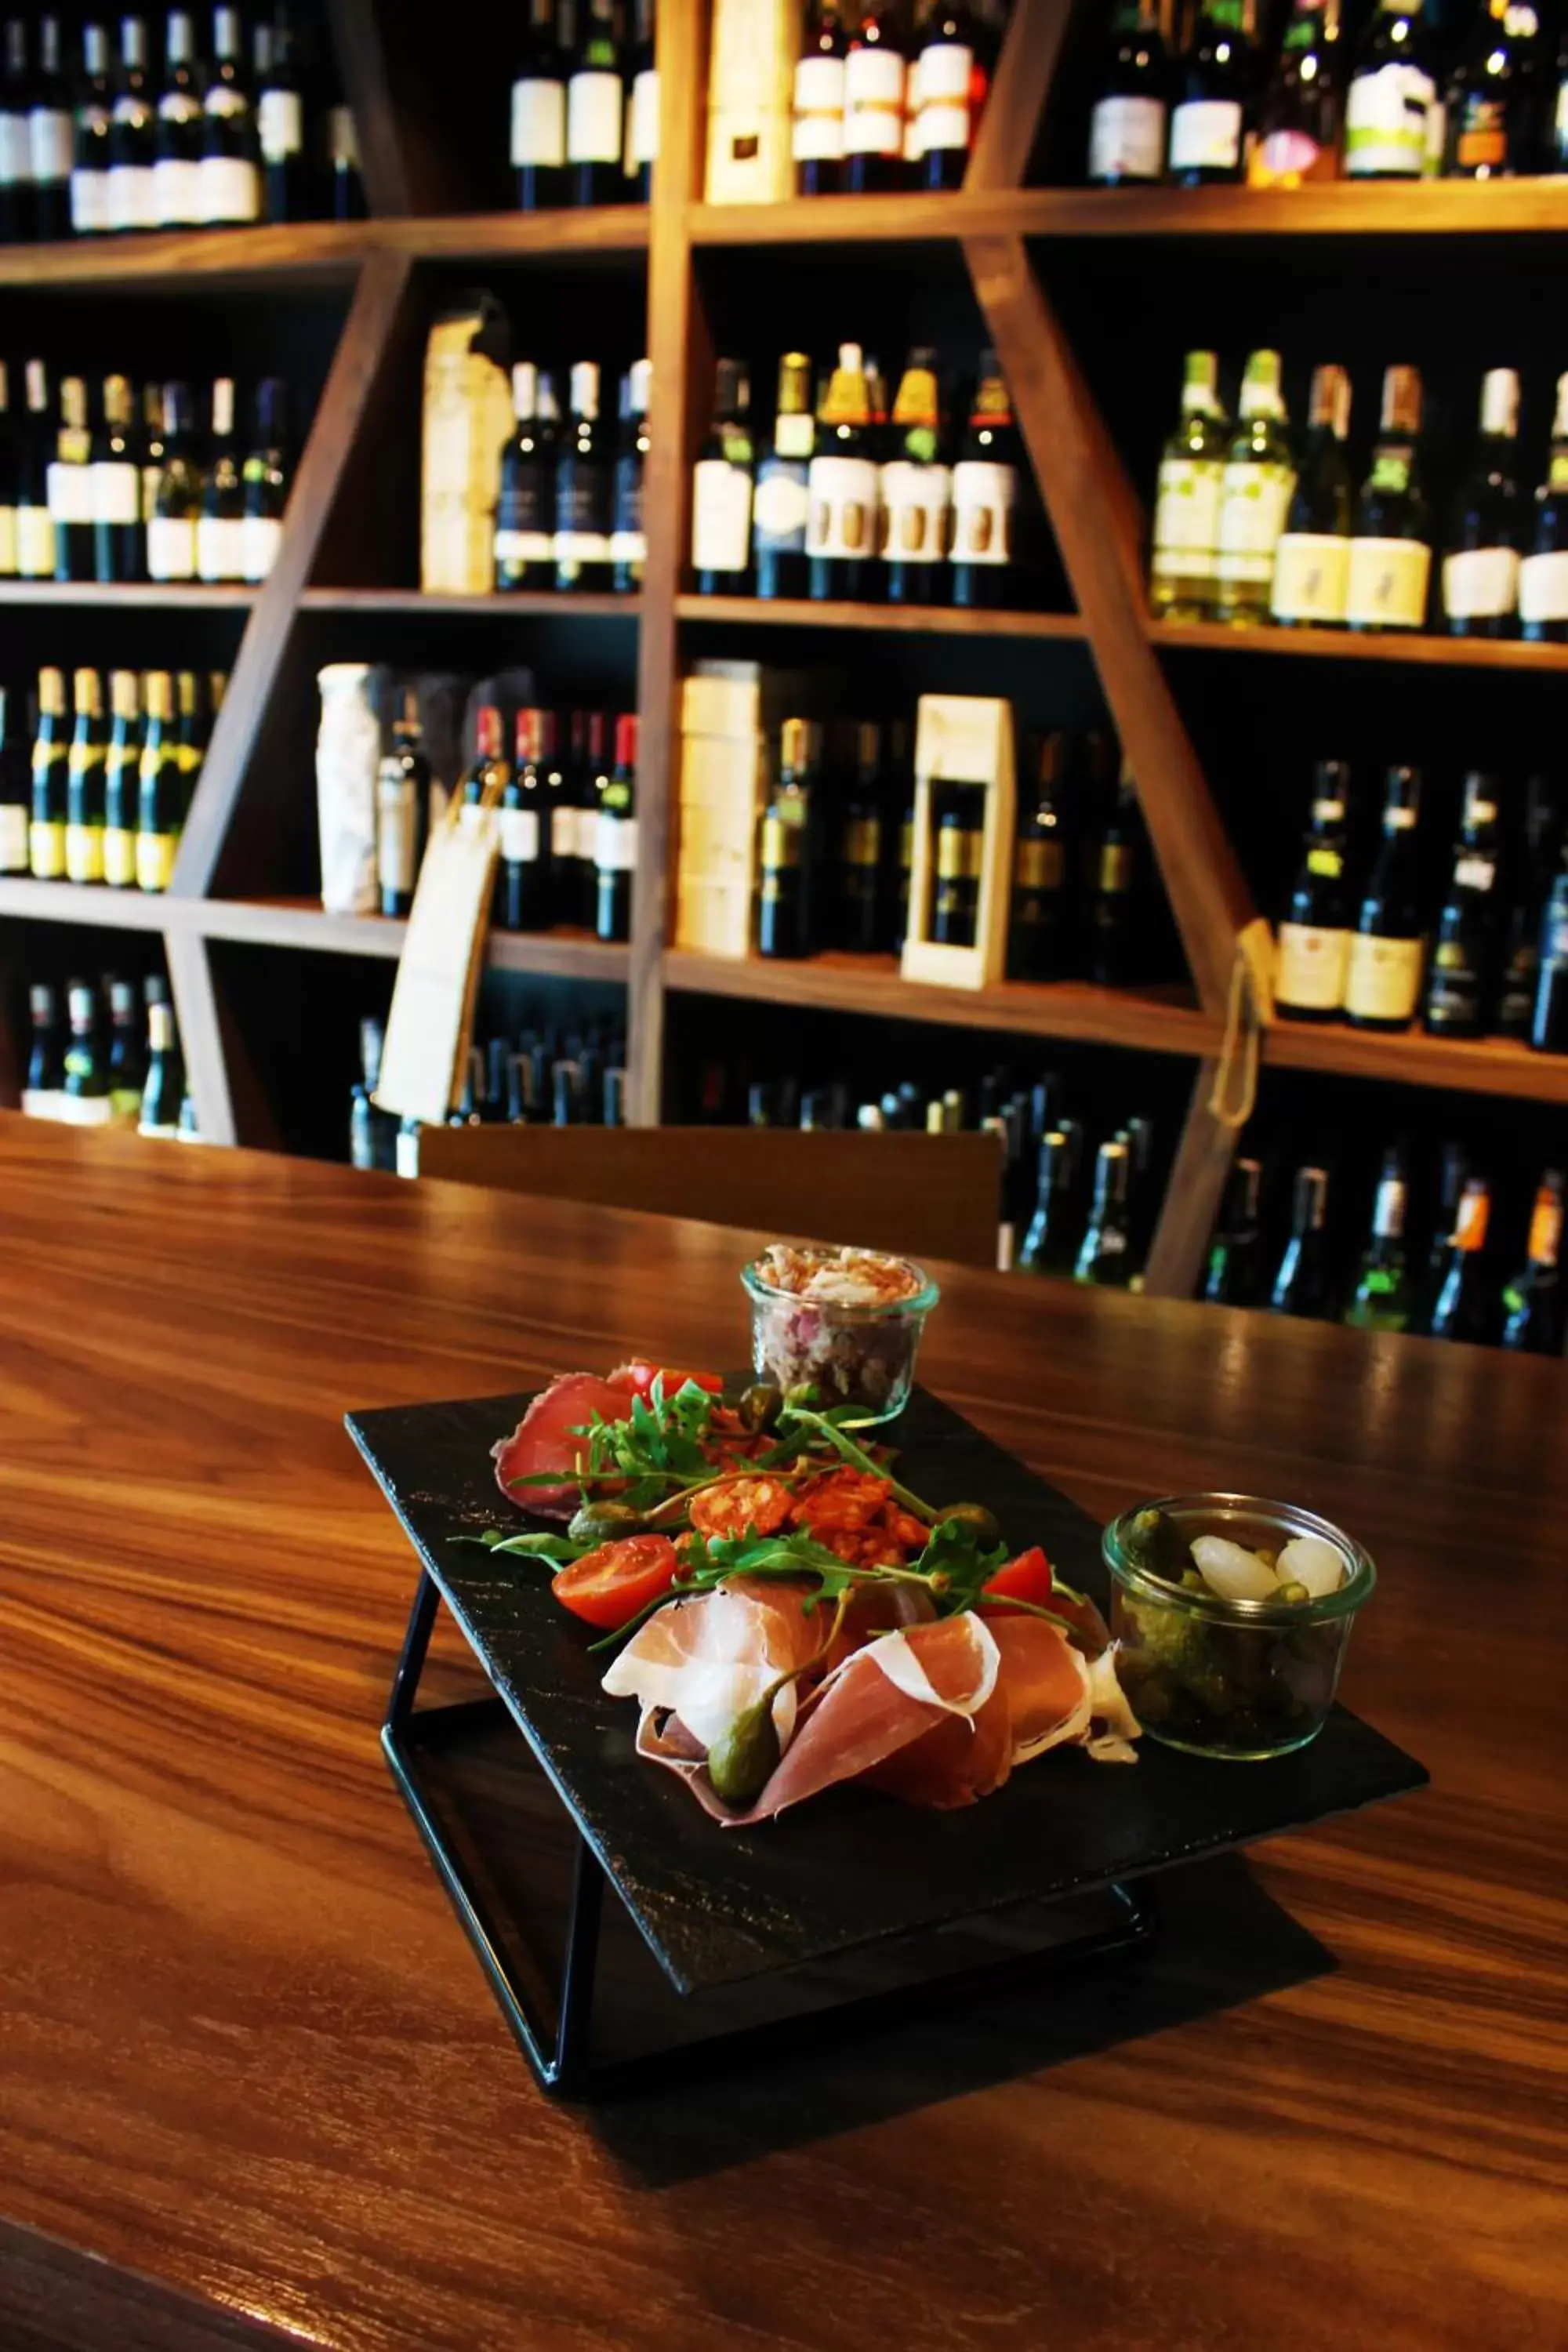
717, 1905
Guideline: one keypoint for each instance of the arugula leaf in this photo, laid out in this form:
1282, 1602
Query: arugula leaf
553, 1548
957, 1566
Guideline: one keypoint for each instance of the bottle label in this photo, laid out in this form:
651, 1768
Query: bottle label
1474, 872
614, 843
7, 542
156, 860
720, 516
172, 548
843, 520
1383, 980
1543, 588
176, 192
915, 501
1186, 516
1115, 868
940, 83
1039, 865
34, 543
782, 507
1388, 583
47, 849
593, 105
818, 128
581, 515
562, 833
394, 832
520, 836
51, 142
132, 197
220, 547
983, 498
523, 546
280, 125
873, 102
119, 857
1481, 142
13, 837
642, 120
861, 848
84, 853
1127, 138
1311, 966
1480, 584
228, 188
1283, 160
1385, 123
1252, 508
1311, 577
538, 124
90, 203
69, 492
1205, 135
16, 151
1545, 1231
260, 537
114, 491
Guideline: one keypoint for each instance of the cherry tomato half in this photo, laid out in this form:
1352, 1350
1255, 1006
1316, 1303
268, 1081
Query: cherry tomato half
1027, 1578
608, 1586
639, 1378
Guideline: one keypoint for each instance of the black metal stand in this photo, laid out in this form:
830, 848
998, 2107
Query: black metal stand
560, 2050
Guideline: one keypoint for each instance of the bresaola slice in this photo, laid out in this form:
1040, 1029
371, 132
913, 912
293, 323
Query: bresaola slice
544, 1440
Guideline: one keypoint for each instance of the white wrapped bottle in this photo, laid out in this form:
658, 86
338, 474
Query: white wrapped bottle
348, 760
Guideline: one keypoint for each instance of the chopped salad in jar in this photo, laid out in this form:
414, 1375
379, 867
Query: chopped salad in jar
847, 1322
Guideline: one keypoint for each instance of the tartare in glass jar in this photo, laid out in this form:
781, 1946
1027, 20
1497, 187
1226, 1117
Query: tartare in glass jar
847, 1321
1232, 1616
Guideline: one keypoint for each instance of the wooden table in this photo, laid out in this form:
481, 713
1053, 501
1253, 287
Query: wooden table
253, 2089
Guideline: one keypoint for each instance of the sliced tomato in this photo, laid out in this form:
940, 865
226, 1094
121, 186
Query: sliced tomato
1027, 1578
639, 1377
608, 1587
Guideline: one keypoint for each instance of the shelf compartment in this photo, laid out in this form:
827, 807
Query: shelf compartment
898, 620
1421, 646
1480, 1066
303, 923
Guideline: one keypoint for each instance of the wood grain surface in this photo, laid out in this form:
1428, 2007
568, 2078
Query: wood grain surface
250, 2067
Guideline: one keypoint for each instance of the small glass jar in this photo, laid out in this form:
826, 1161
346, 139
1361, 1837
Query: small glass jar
1243, 1679
860, 1356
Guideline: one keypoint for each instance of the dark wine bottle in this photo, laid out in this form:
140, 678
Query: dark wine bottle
114, 490
280, 122
1391, 541
132, 134
860, 926
1314, 939
1311, 562
1549, 1021
817, 135
1543, 574
787, 915
875, 72
1383, 978
843, 489
15, 786
916, 489
89, 162
1464, 1307
47, 1054
1532, 1303
595, 108
1380, 1300
959, 817
1488, 100
722, 487
1461, 985
584, 484
1301, 1283
1480, 569
985, 496
1036, 925
1127, 121
1104, 1254
51, 135
402, 809
1112, 951
628, 542
1049, 1243
524, 540
1532, 864
539, 113
523, 882
615, 838
1213, 89
1234, 1272
84, 781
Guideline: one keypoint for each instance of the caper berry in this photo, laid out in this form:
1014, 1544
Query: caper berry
605, 1522
975, 1515
743, 1757
760, 1406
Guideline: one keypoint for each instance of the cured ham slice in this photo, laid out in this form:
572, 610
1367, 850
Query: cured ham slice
544, 1440
706, 1661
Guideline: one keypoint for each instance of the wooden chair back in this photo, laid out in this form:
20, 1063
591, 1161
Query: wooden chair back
915, 1195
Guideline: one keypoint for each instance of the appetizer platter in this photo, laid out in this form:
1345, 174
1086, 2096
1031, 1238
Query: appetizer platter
811, 1666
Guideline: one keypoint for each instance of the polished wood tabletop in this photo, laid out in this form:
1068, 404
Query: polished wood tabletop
254, 2090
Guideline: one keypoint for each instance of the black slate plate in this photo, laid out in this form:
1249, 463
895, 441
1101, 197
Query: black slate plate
717, 1905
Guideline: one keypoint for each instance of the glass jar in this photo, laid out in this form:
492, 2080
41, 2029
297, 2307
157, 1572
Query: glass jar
857, 1355
1243, 1679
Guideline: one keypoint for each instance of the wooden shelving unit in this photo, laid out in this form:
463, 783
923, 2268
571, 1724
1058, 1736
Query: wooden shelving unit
1004, 236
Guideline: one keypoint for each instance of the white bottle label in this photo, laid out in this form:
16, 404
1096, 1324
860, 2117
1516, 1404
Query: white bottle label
34, 543
7, 542
1311, 577
818, 128
1252, 508
915, 501
1388, 583
1311, 966
13, 838
228, 189
1543, 588
842, 516
1385, 123
280, 125
115, 491
983, 494
939, 95
1482, 583
1473, 872
628, 547
538, 124
220, 547
90, 203
1383, 980
720, 516
172, 548
51, 142
132, 196
581, 547
615, 843
1127, 138
563, 832
642, 121
782, 507
69, 490
873, 102
1205, 135
1186, 516
176, 192
260, 537
523, 547
594, 105
520, 836
16, 151
394, 834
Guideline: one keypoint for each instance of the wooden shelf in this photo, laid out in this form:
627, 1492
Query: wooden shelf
1153, 1022
551, 603
302, 923
1419, 646
1483, 1066
187, 595
898, 620
88, 902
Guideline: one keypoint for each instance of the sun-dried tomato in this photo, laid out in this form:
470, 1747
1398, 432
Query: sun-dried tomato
905, 1529
741, 1506
845, 1498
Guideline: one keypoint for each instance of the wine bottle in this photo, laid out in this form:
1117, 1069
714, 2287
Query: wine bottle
165, 1088
1256, 491
70, 485
1461, 984
36, 454
984, 496
161, 786
1213, 85
1301, 1283
1036, 919
1300, 116
1390, 544
629, 543
875, 67
10, 477
86, 1072
488, 773
522, 881
280, 123
786, 911
615, 838
16, 147
1532, 1303
89, 214
176, 168
596, 106
1382, 977
1312, 560
1314, 941
592, 781
1183, 580
127, 1060
1048, 1245
114, 489
642, 107
1549, 1020
1480, 569
915, 489
843, 489
84, 781
1488, 100
1543, 574
15, 787
1555, 111
122, 779
177, 499
1127, 121
1532, 864
538, 115
228, 176
347, 192
363, 1138
721, 488
47, 827
46, 1053
265, 481
1233, 1275
524, 538
132, 135
51, 136
940, 96
1393, 97
1142, 1195
858, 924
816, 127
1380, 1300
1111, 929
402, 809
220, 523
1104, 1255
1464, 1307
584, 484
560, 802
781, 508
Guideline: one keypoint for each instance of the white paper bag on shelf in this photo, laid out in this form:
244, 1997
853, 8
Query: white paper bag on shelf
431, 1016
348, 760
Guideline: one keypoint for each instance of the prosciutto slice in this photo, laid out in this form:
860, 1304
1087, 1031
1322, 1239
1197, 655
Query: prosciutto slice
544, 1440
707, 1660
